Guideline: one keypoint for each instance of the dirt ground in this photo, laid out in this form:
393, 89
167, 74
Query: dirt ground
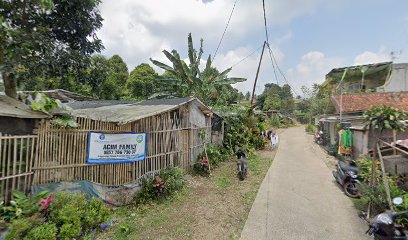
214, 207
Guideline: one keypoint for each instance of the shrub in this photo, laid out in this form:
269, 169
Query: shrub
365, 168
19, 228
76, 215
173, 178
22, 206
310, 128
216, 154
47, 231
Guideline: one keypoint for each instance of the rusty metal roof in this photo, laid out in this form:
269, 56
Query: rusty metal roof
10, 107
130, 112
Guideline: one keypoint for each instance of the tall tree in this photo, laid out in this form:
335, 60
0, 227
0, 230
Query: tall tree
247, 95
204, 84
115, 85
46, 39
142, 81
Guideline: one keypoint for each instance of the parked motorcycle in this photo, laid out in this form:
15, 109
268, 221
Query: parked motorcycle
319, 138
384, 227
242, 165
346, 175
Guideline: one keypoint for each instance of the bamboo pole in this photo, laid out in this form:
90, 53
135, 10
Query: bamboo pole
385, 179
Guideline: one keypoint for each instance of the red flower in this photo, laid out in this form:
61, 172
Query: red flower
45, 202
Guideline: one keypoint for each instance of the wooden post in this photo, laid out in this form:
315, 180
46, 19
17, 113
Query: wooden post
257, 73
394, 139
385, 179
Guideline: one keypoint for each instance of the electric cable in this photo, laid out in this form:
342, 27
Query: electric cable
225, 30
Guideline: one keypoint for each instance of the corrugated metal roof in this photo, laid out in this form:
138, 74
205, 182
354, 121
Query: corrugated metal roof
97, 103
11, 107
60, 94
125, 113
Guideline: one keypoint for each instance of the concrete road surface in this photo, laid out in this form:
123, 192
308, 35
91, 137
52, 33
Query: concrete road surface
298, 199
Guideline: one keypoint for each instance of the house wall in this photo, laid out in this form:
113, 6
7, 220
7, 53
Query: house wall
360, 139
172, 141
398, 81
200, 132
364, 141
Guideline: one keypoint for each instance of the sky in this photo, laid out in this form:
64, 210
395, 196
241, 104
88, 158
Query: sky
308, 37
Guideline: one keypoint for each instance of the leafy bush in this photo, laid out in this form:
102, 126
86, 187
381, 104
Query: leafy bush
310, 128
20, 227
274, 121
385, 117
47, 231
21, 206
68, 216
173, 178
76, 215
216, 154
376, 194
365, 168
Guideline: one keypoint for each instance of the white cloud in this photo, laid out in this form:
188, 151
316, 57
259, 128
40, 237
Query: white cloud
312, 68
139, 29
368, 57
247, 68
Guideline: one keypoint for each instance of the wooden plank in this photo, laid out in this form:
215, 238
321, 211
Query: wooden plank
16, 176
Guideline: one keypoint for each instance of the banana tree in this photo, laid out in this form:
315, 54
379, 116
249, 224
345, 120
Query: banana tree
189, 77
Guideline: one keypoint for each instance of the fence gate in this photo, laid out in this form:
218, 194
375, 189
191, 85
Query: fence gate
16, 161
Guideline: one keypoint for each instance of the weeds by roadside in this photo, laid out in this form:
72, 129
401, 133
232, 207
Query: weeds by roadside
214, 207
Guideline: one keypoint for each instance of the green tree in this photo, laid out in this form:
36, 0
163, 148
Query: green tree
142, 81
247, 96
43, 39
272, 102
288, 104
114, 86
205, 85
97, 75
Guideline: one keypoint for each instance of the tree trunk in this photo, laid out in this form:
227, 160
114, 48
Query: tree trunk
9, 85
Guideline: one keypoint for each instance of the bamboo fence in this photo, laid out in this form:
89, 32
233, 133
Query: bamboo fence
17, 155
62, 153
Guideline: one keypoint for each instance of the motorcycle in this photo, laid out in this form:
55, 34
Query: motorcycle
242, 165
383, 225
346, 175
319, 138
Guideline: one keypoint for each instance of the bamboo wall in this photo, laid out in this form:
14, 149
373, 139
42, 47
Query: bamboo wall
62, 152
16, 161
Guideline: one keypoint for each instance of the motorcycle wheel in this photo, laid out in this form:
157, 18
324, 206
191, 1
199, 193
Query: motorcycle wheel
350, 189
241, 175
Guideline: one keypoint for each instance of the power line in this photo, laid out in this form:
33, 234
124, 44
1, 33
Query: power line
273, 65
225, 30
266, 28
246, 57
280, 71
274, 62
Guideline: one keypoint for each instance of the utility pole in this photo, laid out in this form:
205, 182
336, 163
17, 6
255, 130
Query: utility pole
257, 73
341, 94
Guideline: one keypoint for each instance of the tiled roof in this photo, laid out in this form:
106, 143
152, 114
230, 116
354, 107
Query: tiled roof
364, 101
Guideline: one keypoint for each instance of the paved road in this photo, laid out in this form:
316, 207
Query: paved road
298, 198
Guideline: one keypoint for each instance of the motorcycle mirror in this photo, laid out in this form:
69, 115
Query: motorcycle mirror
397, 201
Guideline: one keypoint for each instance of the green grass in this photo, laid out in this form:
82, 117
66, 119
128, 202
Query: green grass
133, 223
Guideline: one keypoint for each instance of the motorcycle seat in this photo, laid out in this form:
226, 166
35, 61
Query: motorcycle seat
347, 167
